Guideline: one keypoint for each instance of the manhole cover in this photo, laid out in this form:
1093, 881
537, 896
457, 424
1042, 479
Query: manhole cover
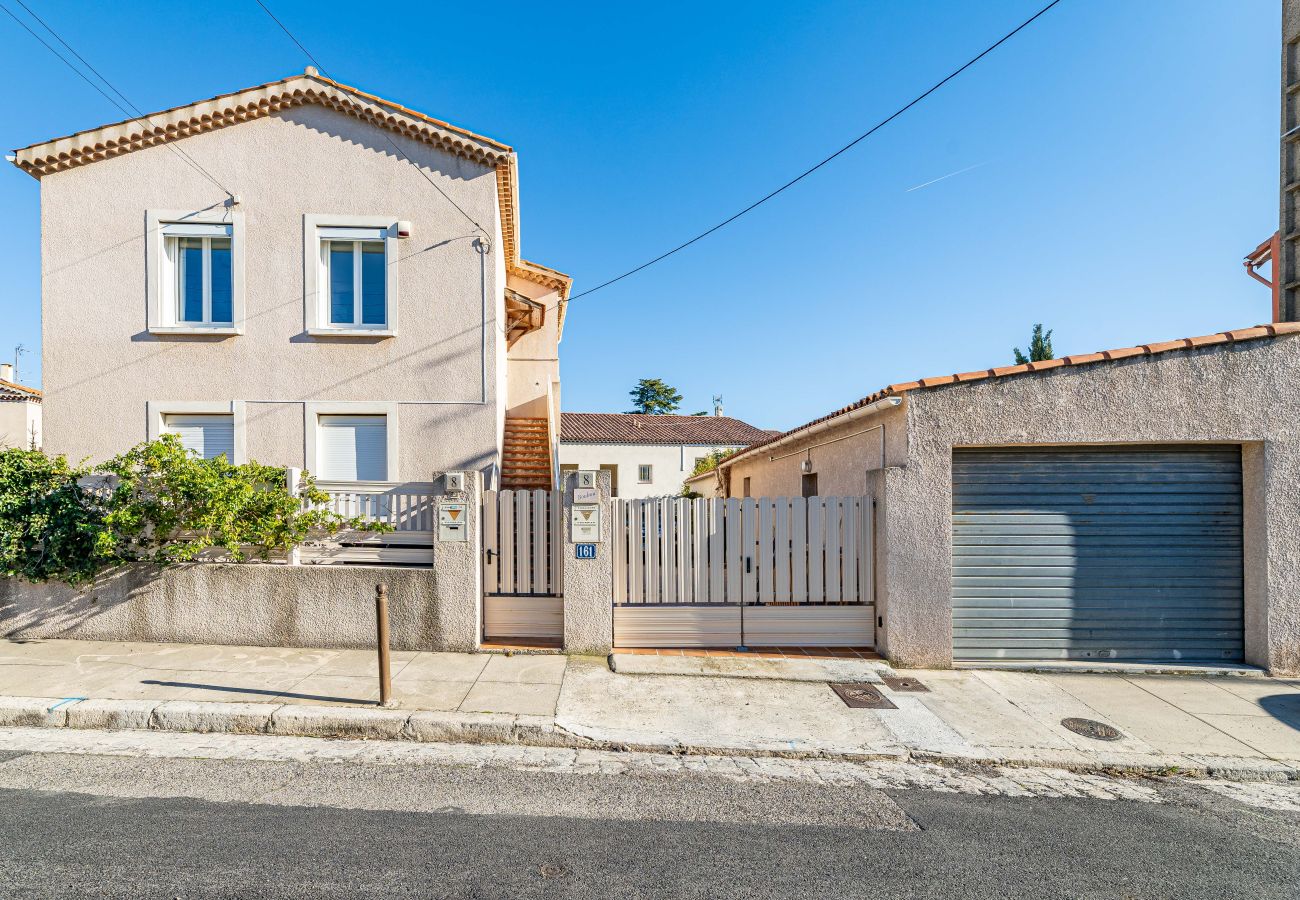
552, 870
905, 685
1098, 731
861, 695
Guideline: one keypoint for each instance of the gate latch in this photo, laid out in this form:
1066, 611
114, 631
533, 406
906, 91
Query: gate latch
490, 553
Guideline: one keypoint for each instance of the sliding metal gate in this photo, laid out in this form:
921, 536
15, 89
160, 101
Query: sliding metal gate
768, 571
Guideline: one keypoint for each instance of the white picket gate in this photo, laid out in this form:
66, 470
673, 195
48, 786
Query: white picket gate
766, 571
522, 564
406, 507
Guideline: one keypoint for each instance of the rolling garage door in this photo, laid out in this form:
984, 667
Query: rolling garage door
1124, 554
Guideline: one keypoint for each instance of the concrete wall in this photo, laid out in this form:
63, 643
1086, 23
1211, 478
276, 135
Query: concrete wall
444, 369
238, 604
20, 424
671, 462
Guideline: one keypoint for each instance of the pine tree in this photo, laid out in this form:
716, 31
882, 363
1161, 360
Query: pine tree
652, 396
1040, 347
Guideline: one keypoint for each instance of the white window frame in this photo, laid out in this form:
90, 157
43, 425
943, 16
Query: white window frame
311, 429
157, 412
650, 469
160, 271
317, 228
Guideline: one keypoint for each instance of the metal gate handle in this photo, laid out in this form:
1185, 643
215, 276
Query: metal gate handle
490, 554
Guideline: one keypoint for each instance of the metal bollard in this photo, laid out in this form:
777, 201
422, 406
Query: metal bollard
381, 628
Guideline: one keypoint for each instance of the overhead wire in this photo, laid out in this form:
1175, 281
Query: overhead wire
849, 146
133, 112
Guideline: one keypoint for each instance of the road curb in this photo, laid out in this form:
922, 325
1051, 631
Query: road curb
424, 726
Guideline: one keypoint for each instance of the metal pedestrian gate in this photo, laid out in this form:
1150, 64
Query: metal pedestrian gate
522, 565
761, 572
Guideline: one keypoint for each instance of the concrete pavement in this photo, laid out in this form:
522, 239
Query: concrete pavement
1236, 726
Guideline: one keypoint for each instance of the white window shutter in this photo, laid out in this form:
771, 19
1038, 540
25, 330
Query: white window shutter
209, 436
353, 448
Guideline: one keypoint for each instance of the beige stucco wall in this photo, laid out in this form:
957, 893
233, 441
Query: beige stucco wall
533, 363
20, 423
843, 456
101, 364
1232, 394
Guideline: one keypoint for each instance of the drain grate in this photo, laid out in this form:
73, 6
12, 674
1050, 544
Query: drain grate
905, 685
861, 695
1091, 728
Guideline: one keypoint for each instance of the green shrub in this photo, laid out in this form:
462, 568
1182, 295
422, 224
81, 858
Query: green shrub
157, 503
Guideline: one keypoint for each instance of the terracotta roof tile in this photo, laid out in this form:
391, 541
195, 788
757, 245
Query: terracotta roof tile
1079, 359
9, 392
634, 428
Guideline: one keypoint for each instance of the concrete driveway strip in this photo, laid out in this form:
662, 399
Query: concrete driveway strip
984, 716
1149, 718
1047, 704
777, 716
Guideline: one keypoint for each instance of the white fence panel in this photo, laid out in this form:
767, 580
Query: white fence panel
521, 530
764, 551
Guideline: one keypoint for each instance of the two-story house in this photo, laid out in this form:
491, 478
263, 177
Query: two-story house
299, 273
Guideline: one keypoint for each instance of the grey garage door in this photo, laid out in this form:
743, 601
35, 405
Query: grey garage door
1124, 554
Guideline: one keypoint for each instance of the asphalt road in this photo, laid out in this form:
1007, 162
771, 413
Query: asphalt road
97, 826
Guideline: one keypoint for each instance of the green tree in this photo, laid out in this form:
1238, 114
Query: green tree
710, 462
1040, 347
652, 396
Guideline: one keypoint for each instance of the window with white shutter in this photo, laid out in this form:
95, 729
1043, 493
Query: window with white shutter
205, 435
352, 448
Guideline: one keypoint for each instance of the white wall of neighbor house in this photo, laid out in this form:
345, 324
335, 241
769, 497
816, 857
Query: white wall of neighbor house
20, 423
669, 464
443, 369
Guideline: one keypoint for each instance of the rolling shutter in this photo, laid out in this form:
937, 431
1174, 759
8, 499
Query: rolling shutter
353, 448
1123, 554
209, 436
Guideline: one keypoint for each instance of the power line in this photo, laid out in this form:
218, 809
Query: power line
132, 113
850, 145
266, 9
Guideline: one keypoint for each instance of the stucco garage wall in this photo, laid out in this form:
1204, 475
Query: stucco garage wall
1237, 393
239, 604
101, 363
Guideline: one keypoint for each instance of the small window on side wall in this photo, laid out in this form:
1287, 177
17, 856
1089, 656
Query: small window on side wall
645, 474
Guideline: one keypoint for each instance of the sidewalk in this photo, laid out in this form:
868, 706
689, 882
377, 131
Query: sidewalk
1237, 726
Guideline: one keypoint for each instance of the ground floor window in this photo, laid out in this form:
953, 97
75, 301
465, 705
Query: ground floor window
352, 448
206, 435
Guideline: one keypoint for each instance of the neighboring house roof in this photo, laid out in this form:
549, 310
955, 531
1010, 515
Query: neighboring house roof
16, 393
179, 122
1219, 339
635, 428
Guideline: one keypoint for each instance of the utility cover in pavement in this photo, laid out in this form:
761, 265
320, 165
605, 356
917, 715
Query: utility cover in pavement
905, 685
861, 695
1098, 731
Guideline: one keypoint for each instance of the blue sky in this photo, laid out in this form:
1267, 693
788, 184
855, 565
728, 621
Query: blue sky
1124, 154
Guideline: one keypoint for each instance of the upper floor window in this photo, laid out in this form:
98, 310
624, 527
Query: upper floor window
352, 281
206, 435
201, 277
195, 271
355, 279
645, 474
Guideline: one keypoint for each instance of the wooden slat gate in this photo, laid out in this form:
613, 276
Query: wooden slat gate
767, 571
522, 572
